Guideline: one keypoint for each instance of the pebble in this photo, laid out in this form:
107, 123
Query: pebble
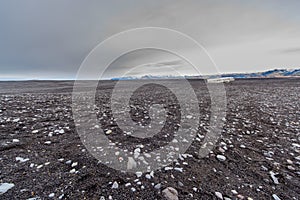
275, 197
219, 195
74, 164
72, 171
138, 174
157, 186
133, 189
22, 159
48, 142
170, 193
221, 157
108, 132
274, 178
115, 185
16, 140
4, 187
51, 195
234, 192
148, 176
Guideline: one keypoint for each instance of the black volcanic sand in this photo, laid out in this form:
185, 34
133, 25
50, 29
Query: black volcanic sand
261, 134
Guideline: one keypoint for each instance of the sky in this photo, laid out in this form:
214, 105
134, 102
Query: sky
50, 39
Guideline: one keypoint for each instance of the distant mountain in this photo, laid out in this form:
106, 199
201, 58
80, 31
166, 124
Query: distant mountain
275, 73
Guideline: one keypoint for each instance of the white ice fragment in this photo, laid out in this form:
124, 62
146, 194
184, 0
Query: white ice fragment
4, 187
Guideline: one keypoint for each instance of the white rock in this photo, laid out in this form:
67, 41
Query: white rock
242, 146
170, 193
127, 184
22, 159
47, 142
157, 186
234, 192
148, 176
115, 185
4, 187
133, 189
74, 164
275, 197
274, 178
219, 195
108, 132
16, 140
72, 171
195, 189
221, 157
51, 195
35, 131
178, 169
138, 174
131, 163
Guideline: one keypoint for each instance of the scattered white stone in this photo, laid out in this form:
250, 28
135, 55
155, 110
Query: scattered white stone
170, 193
47, 142
115, 185
72, 171
35, 131
242, 146
74, 164
131, 163
16, 140
275, 197
61, 196
61, 131
195, 189
138, 174
51, 195
108, 132
22, 159
148, 176
69, 162
157, 186
133, 189
234, 192
168, 168
40, 166
221, 157
31, 165
274, 178
127, 184
4, 187
178, 169
219, 195
47, 163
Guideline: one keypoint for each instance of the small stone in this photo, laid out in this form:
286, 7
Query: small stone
157, 186
170, 193
148, 176
138, 174
221, 157
275, 197
133, 189
47, 142
115, 185
72, 171
234, 192
74, 164
4, 187
108, 132
16, 140
195, 189
219, 195
51, 195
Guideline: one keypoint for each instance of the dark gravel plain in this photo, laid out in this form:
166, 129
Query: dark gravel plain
43, 156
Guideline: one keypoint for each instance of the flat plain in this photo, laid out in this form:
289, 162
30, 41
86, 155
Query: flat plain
256, 157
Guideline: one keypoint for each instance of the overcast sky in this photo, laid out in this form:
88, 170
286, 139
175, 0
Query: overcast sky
49, 39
